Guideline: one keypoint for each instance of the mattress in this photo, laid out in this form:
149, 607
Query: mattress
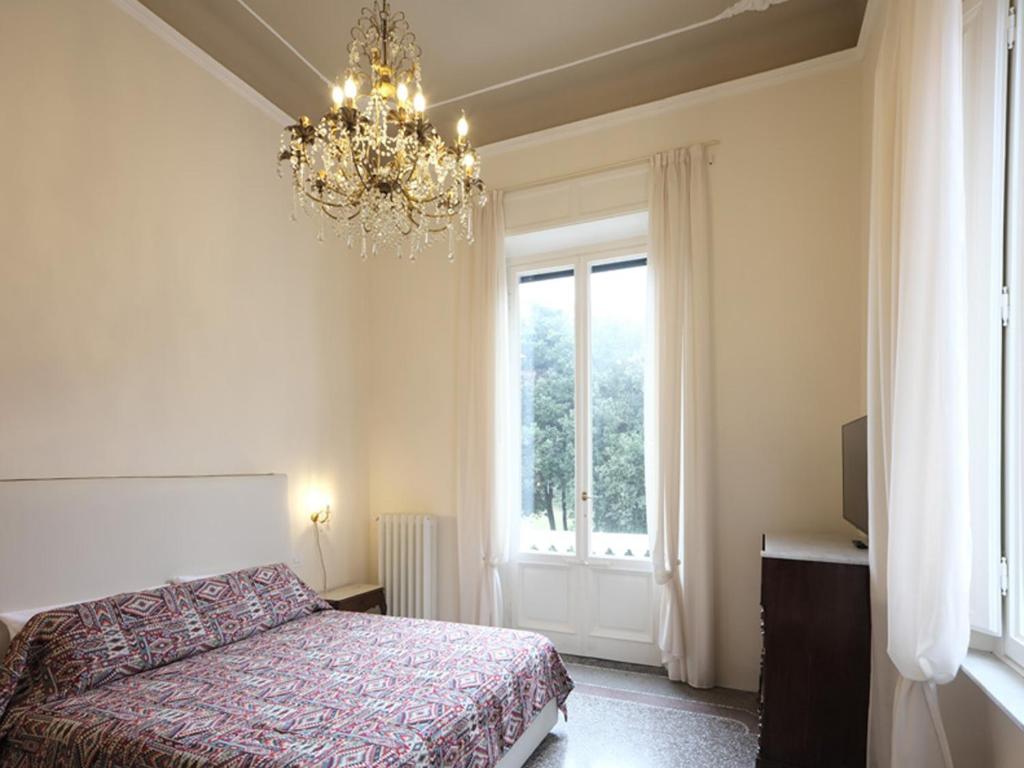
330, 688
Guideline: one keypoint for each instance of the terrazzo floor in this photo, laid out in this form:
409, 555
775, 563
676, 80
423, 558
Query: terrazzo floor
622, 716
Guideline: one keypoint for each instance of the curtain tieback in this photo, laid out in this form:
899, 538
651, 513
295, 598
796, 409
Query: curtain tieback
491, 562
665, 575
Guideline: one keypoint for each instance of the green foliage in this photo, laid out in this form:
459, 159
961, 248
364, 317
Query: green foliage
617, 414
548, 423
548, 397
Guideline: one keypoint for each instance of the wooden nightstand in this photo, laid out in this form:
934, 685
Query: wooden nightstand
357, 597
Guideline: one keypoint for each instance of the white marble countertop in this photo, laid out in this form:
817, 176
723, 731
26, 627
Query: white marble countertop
816, 547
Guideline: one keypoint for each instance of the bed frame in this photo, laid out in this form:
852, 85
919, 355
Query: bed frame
527, 744
76, 539
70, 540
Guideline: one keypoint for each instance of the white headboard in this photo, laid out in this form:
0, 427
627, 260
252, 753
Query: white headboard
64, 541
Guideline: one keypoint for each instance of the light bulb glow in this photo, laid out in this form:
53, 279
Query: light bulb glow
403, 93
468, 160
462, 127
337, 95
351, 89
419, 101
316, 500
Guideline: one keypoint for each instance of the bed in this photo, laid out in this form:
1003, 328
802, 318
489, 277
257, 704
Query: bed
253, 669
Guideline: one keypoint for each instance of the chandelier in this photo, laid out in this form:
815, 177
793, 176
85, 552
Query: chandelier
373, 168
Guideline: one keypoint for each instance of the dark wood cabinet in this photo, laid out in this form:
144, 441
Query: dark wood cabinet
815, 661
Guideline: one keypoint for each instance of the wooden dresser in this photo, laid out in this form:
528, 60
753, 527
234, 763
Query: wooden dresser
815, 658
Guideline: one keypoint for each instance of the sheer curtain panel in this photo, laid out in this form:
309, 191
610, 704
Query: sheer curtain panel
920, 545
483, 457
678, 412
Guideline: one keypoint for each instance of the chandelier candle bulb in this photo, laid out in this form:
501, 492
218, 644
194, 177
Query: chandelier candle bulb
419, 102
337, 95
351, 90
403, 93
462, 127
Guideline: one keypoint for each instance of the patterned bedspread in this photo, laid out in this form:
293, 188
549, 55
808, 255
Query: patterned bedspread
328, 689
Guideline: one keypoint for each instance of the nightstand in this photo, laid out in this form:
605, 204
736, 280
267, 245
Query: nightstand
357, 597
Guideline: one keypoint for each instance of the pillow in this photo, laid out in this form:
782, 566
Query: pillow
71, 649
15, 621
237, 605
12, 622
284, 595
186, 579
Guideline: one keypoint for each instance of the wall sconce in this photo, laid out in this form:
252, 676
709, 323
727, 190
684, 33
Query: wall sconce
321, 515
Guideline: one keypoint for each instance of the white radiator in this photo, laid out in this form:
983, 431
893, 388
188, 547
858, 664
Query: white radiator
407, 564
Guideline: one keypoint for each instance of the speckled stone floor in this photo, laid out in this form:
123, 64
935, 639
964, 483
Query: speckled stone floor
622, 716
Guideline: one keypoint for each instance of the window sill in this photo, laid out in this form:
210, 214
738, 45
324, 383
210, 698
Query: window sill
1001, 680
555, 558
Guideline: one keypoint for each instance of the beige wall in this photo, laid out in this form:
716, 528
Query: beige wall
980, 734
788, 323
159, 313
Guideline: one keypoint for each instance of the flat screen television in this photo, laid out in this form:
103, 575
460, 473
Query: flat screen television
855, 473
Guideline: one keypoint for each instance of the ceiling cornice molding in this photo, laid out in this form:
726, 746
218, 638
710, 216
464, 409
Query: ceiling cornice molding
871, 26
190, 50
839, 60
737, 8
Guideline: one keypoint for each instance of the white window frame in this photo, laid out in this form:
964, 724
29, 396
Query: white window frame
1011, 645
995, 234
985, 61
580, 260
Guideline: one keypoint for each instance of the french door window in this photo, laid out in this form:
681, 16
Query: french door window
578, 329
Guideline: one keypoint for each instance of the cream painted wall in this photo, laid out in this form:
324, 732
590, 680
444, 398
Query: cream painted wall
980, 734
788, 322
159, 313
411, 406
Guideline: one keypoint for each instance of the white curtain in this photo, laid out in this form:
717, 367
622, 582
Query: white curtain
917, 383
482, 455
678, 412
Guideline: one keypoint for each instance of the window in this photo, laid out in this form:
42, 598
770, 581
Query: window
618, 307
1012, 575
578, 352
547, 381
994, 173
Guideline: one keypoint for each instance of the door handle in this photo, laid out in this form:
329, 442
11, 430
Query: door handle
586, 496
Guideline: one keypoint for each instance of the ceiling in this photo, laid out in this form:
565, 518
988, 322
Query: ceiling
474, 44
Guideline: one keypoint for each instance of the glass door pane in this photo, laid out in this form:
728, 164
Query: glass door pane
547, 380
618, 314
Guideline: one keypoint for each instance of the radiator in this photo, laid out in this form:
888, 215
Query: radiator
407, 564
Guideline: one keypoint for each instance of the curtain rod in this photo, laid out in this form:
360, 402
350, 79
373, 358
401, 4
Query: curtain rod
603, 168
